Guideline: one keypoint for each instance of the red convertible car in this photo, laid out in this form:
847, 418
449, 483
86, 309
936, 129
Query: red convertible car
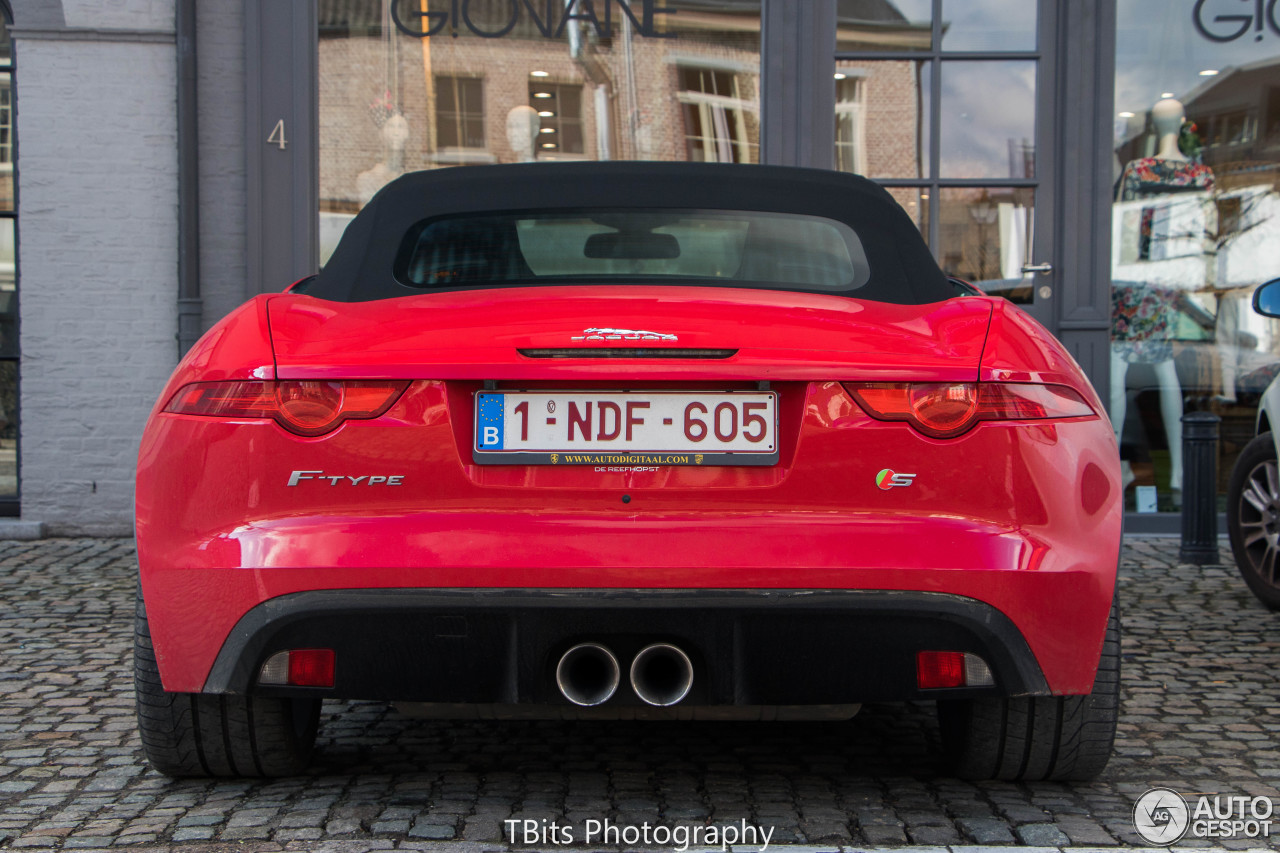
629, 440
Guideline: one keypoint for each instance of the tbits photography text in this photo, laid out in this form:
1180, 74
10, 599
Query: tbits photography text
544, 833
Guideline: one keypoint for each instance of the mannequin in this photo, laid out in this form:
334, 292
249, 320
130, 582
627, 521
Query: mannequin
1143, 316
522, 132
395, 135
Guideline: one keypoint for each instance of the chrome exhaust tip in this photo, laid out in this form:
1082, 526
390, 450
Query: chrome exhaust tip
661, 674
588, 674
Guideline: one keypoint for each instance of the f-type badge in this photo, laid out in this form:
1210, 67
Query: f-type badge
605, 334
334, 479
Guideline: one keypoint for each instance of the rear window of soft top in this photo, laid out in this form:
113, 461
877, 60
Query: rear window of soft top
744, 248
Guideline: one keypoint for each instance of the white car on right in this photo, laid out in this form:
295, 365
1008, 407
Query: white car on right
1253, 492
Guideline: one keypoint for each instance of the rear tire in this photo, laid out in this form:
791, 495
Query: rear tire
1032, 738
195, 734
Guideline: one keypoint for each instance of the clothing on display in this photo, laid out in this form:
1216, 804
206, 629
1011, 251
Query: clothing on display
1153, 176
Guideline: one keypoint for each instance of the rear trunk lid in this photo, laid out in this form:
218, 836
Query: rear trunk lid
733, 333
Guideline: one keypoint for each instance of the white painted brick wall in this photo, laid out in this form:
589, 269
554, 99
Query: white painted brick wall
98, 263
120, 14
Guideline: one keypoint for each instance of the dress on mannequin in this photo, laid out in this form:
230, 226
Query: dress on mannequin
1144, 316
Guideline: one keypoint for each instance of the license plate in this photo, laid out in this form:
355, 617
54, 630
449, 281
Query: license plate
626, 428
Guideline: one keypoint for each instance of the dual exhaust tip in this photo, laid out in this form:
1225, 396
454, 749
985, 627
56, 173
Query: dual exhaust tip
588, 674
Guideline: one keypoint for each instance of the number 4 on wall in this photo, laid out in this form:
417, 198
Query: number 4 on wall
277, 136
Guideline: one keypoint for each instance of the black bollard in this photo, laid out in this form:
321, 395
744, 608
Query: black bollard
1199, 488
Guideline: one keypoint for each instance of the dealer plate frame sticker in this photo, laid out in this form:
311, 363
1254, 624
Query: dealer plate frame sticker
625, 428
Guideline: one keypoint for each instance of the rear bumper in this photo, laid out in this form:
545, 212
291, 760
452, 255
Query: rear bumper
748, 647
381, 572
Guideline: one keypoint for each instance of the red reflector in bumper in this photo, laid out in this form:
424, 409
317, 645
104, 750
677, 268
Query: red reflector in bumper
311, 668
299, 668
936, 670
939, 669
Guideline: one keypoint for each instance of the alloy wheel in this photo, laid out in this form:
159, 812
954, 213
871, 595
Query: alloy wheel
1259, 520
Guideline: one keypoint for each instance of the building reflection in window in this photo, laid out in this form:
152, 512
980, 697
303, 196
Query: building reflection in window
559, 110
715, 117
510, 82
851, 122
459, 113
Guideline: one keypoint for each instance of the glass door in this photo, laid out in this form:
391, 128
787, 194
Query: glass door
946, 103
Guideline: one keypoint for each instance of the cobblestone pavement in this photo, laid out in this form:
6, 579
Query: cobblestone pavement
1201, 714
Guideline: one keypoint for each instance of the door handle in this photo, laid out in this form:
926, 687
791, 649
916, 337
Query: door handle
1028, 269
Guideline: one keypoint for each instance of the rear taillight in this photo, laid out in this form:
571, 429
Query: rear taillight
302, 406
949, 409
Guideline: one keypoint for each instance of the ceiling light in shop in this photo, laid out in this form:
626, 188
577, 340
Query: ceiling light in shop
548, 145
542, 94
1126, 114
546, 130
840, 76
1166, 94
1209, 72
538, 74
546, 113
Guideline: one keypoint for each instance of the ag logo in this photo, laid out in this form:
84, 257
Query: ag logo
887, 479
1161, 816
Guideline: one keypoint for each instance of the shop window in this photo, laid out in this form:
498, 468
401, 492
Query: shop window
559, 107
1195, 219
459, 112
715, 121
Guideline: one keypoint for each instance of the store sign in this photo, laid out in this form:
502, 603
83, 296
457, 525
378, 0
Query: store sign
1228, 20
550, 17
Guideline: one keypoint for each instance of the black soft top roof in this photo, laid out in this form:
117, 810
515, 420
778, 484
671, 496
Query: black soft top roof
362, 267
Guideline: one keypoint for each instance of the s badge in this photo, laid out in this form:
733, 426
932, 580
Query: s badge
887, 479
